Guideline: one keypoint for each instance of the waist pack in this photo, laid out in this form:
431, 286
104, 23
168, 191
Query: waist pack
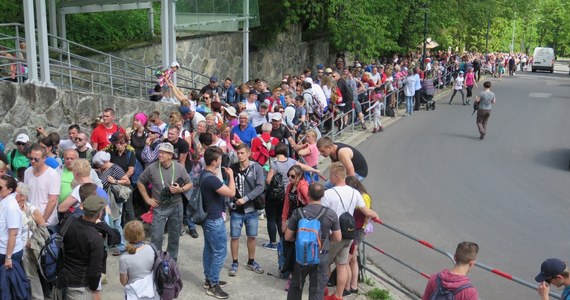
308, 242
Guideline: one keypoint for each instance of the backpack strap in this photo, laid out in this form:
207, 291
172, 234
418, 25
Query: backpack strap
340, 198
12, 156
66, 226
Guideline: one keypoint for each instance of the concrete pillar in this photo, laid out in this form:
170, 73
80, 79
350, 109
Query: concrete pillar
164, 22
172, 34
30, 28
246, 41
53, 23
43, 43
151, 20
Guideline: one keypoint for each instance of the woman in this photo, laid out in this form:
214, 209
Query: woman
136, 266
124, 156
139, 134
279, 169
34, 232
469, 83
216, 140
309, 152
230, 116
361, 221
205, 106
11, 243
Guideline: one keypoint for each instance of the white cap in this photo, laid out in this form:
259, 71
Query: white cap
175, 64
22, 138
309, 80
276, 117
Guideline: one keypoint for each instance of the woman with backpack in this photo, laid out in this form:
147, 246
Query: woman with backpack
136, 265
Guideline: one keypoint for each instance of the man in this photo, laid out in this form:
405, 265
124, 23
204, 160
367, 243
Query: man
191, 118
351, 159
263, 92
212, 86
342, 198
260, 117
82, 146
17, 158
228, 93
249, 180
251, 103
347, 96
66, 173
330, 230
154, 119
553, 271
45, 186
169, 180
456, 280
215, 237
409, 91
181, 147
84, 250
244, 131
280, 131
486, 100
103, 132
263, 147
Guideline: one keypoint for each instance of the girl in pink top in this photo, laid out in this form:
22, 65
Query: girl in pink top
310, 154
469, 82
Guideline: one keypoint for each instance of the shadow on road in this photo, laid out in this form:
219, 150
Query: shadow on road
466, 136
556, 158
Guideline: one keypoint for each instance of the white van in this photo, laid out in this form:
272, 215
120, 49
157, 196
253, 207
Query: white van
543, 59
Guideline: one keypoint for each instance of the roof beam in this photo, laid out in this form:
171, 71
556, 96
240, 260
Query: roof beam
103, 8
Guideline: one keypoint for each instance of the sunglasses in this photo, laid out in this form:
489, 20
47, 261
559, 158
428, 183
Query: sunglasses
281, 111
35, 159
292, 176
79, 140
20, 144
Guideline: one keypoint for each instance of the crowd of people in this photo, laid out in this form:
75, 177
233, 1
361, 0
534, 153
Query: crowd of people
251, 152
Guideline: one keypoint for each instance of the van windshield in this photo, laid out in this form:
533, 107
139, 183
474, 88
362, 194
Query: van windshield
543, 51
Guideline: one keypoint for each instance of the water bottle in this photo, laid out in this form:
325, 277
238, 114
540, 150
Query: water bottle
165, 267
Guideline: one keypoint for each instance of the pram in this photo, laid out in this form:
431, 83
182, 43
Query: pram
427, 92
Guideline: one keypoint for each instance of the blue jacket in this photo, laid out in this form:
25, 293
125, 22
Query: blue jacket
14, 284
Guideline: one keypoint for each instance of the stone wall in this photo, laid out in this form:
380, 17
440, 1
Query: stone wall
222, 54
24, 107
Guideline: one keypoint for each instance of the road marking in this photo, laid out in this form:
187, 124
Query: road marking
539, 95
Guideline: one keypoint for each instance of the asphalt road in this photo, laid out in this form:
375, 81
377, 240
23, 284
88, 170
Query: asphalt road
431, 176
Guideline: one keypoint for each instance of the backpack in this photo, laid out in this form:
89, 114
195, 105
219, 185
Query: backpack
262, 156
50, 258
138, 169
315, 105
276, 190
195, 210
308, 242
166, 275
346, 220
442, 293
389, 111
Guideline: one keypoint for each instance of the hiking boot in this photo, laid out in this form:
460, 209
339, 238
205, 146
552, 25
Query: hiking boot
217, 292
234, 269
220, 283
270, 246
255, 267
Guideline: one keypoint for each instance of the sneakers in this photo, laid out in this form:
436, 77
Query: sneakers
255, 267
234, 269
193, 233
374, 130
182, 231
217, 292
351, 292
207, 284
270, 246
261, 216
103, 278
381, 128
287, 284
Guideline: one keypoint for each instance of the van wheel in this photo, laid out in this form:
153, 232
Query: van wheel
533, 70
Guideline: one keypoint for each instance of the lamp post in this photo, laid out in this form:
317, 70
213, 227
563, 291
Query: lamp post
425, 35
487, 40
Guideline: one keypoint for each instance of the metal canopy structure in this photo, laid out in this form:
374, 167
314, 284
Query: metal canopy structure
196, 15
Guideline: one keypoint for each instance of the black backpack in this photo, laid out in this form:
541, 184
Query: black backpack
276, 190
442, 293
346, 220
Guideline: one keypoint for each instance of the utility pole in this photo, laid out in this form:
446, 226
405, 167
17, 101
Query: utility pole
513, 39
425, 35
487, 40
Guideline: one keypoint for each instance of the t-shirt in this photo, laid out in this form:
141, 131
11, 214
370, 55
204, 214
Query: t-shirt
458, 85
312, 159
282, 167
48, 183
161, 177
101, 135
212, 201
66, 179
486, 100
137, 266
114, 171
329, 222
281, 133
349, 197
245, 135
10, 218
52, 162
25, 228
180, 147
19, 161
124, 161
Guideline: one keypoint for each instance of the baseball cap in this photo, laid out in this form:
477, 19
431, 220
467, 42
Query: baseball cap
22, 138
309, 80
214, 78
328, 70
276, 117
550, 268
93, 204
115, 137
264, 104
166, 147
184, 109
155, 129
175, 64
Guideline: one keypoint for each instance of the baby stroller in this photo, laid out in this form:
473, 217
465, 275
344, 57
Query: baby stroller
427, 92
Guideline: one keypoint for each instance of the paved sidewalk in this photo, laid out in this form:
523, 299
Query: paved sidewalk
247, 284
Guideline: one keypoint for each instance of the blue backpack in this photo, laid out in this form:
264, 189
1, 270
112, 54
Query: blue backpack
442, 293
50, 259
308, 242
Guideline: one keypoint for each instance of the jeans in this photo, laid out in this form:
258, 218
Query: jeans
171, 216
215, 248
410, 105
318, 277
237, 220
273, 210
17, 257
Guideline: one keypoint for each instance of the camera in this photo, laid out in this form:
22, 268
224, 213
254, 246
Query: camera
232, 206
165, 195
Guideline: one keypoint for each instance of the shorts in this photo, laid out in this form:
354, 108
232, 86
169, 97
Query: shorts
357, 240
237, 221
357, 107
346, 108
338, 252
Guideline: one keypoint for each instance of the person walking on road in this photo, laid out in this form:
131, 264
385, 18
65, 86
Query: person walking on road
455, 280
486, 99
458, 87
553, 271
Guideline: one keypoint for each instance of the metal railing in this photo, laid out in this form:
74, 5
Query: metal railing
440, 251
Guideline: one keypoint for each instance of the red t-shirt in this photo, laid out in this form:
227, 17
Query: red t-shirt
101, 135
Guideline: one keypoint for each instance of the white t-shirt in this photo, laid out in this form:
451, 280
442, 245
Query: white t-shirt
69, 144
350, 197
10, 218
25, 222
40, 187
458, 83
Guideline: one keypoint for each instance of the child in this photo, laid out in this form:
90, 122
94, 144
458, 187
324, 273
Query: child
377, 105
458, 87
166, 84
469, 82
